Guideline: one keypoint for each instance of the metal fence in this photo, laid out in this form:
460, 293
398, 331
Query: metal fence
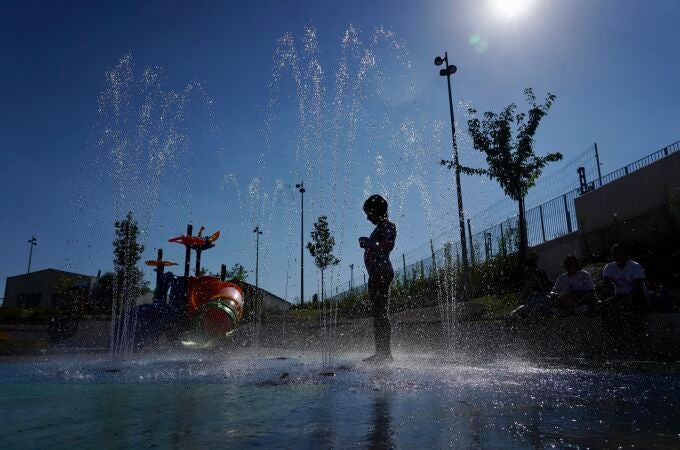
632, 167
545, 222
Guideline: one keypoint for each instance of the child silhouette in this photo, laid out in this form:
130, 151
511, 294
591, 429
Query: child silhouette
377, 248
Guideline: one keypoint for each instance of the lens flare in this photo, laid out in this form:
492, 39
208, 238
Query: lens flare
478, 43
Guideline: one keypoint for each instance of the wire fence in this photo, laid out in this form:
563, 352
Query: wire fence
546, 221
555, 182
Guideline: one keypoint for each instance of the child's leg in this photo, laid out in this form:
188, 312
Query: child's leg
379, 292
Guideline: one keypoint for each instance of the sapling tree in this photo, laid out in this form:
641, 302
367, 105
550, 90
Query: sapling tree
237, 273
321, 248
510, 156
127, 251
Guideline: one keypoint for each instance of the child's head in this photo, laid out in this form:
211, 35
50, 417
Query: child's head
375, 208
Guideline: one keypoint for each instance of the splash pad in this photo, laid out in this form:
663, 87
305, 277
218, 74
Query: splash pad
272, 396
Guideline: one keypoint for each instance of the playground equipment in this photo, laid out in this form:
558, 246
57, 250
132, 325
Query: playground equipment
198, 309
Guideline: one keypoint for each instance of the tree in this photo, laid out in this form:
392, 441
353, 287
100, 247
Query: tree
511, 160
127, 251
237, 273
321, 248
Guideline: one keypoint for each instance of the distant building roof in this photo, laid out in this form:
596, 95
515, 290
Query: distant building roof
64, 272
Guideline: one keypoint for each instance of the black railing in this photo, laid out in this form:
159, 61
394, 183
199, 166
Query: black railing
639, 164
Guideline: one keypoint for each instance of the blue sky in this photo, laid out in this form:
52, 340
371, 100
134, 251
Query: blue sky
612, 64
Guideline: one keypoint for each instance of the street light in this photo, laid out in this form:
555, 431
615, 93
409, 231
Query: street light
351, 277
257, 257
301, 189
449, 70
33, 242
257, 272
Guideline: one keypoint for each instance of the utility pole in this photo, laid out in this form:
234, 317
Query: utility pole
447, 72
187, 253
33, 242
472, 249
257, 257
351, 277
434, 261
599, 166
257, 272
301, 189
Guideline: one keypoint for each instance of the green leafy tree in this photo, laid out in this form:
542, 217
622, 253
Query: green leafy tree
127, 251
237, 273
321, 248
511, 159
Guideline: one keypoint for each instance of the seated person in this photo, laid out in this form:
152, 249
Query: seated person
623, 313
574, 291
533, 293
627, 278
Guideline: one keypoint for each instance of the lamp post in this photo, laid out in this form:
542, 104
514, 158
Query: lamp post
447, 72
301, 189
257, 271
351, 277
257, 257
32, 242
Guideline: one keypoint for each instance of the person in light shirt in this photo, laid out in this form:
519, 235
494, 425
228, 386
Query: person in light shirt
623, 314
627, 276
574, 291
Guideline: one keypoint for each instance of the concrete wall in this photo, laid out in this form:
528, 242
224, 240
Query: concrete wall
550, 254
270, 302
645, 234
639, 193
273, 303
630, 209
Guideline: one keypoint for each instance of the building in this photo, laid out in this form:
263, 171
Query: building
41, 289
270, 302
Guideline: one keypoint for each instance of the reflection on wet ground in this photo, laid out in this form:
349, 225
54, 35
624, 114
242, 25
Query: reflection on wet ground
283, 400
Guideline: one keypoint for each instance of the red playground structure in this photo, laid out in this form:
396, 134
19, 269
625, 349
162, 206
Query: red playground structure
206, 306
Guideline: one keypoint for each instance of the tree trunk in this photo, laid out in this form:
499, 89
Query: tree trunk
523, 240
322, 294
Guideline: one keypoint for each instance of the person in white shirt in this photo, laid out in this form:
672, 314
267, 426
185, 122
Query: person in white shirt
574, 291
623, 314
627, 276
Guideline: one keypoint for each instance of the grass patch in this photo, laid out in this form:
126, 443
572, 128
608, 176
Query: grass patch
497, 306
13, 347
305, 314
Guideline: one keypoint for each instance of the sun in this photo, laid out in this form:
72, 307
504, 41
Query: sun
510, 9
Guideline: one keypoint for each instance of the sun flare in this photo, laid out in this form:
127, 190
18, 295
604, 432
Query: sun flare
510, 9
